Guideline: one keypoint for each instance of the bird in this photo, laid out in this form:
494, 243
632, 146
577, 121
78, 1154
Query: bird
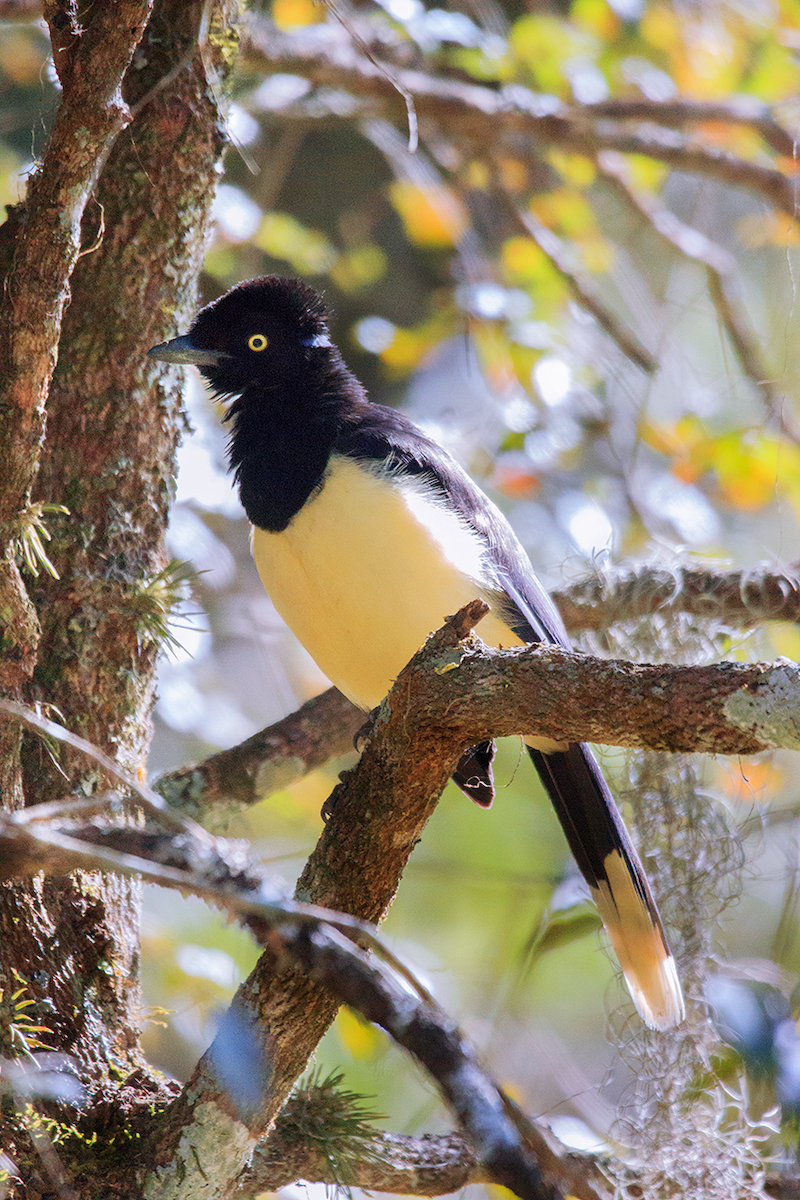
367, 534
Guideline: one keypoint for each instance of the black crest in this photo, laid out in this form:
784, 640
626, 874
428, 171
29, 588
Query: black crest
272, 297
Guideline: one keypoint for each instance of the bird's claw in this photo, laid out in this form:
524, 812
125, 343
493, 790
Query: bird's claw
365, 730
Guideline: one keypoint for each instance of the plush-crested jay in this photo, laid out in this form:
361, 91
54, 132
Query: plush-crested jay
367, 535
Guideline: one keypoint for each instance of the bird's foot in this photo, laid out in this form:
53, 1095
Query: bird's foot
332, 803
365, 730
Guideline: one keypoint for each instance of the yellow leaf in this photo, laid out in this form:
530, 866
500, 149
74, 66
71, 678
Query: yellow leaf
598, 254
478, 176
576, 169
220, 262
523, 259
776, 74
564, 207
525, 262
545, 44
360, 1038
646, 172
283, 236
494, 352
359, 267
709, 65
752, 469
741, 478
409, 346
431, 216
405, 351
785, 637
675, 441
769, 229
515, 1091
293, 14
660, 27
789, 11
526, 265
475, 61
597, 16
524, 359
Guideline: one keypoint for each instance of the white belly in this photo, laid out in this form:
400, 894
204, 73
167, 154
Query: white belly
367, 569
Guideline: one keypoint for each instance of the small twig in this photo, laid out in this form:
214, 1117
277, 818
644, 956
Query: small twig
686, 154
720, 271
432, 1165
150, 800
212, 868
553, 248
21, 10
746, 349
321, 729
738, 598
465, 620
612, 168
411, 112
740, 110
437, 1043
71, 807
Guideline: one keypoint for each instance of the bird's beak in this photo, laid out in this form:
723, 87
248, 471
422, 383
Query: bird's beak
183, 350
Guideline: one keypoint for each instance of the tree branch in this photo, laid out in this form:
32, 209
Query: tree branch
438, 705
327, 57
578, 284
324, 727
741, 598
91, 64
321, 729
297, 934
407, 1166
452, 694
676, 114
720, 270
437, 1043
431, 1165
723, 708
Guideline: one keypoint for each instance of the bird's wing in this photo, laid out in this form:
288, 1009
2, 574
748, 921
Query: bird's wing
385, 436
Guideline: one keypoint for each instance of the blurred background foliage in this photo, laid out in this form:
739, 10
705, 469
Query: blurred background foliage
608, 339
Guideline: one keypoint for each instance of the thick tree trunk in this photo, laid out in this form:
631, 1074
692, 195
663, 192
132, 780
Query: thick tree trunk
109, 458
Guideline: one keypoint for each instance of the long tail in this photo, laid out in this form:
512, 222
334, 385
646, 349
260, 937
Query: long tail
604, 852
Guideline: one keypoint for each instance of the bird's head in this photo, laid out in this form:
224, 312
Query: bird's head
264, 332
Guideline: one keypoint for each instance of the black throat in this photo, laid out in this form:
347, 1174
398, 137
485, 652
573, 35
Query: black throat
282, 439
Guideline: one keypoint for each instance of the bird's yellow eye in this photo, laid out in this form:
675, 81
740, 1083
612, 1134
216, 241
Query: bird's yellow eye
257, 342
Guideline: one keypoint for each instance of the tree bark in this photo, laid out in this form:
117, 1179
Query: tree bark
111, 436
